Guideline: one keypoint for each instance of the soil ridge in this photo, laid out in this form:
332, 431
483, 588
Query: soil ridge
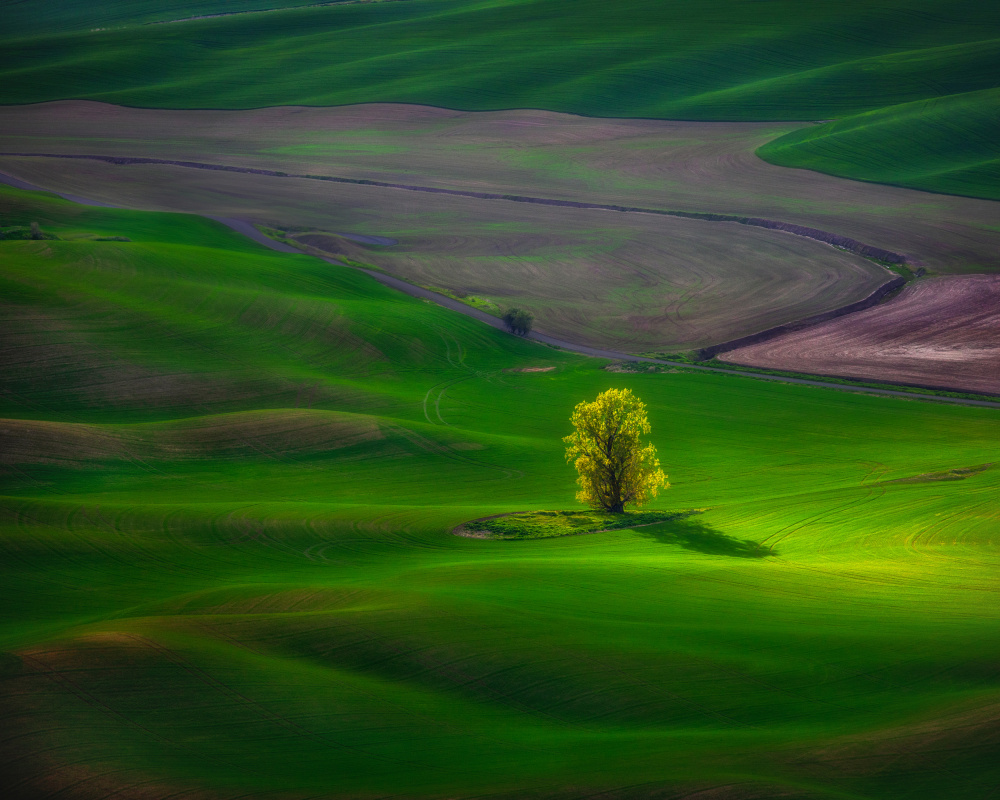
873, 299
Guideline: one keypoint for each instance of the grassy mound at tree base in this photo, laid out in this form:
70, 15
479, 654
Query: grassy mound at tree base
546, 524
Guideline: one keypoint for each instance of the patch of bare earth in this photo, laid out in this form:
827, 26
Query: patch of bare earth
630, 282
940, 333
469, 533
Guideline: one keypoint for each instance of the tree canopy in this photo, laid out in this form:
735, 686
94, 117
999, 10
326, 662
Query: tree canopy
614, 466
518, 321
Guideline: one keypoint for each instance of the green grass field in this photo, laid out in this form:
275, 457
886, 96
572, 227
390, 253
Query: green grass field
230, 477
946, 144
718, 60
774, 60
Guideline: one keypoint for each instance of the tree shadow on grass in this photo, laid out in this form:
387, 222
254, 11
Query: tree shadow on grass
694, 535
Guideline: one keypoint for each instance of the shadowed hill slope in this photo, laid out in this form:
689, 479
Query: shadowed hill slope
716, 60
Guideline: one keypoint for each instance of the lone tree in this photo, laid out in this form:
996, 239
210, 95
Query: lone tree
615, 468
518, 321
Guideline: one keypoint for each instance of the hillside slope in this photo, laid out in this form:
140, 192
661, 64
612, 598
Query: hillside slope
946, 144
718, 60
227, 482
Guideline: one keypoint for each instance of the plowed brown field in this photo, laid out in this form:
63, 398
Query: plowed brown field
943, 332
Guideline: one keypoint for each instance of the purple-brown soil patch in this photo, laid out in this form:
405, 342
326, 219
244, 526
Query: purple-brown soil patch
939, 333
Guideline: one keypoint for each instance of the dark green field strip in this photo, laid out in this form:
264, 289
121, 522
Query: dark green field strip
946, 144
721, 60
209, 590
25, 18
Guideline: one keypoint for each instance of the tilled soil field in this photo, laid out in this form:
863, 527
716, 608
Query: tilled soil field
623, 281
708, 167
942, 333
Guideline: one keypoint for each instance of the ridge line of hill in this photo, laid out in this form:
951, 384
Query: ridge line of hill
833, 239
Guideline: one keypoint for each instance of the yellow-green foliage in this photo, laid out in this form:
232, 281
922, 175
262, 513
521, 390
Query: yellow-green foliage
615, 469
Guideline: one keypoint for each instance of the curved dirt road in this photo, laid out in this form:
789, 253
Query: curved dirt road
245, 228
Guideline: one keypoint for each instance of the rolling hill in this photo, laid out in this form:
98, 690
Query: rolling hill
945, 144
229, 481
231, 478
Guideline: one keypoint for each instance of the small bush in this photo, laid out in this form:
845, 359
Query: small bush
22, 233
518, 321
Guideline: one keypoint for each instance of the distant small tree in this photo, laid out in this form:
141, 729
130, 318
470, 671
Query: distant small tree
518, 321
36, 231
614, 467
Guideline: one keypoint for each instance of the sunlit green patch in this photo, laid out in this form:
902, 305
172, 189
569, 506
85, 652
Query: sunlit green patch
351, 147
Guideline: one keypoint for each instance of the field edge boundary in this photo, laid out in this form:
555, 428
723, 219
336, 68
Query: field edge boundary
244, 228
834, 239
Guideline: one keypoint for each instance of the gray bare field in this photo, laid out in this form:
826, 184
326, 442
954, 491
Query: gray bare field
694, 166
638, 283
624, 281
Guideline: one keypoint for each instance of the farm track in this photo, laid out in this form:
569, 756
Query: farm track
843, 242
245, 228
